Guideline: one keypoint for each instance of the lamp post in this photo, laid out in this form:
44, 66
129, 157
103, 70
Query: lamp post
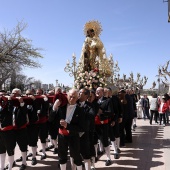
114, 68
159, 79
71, 67
56, 82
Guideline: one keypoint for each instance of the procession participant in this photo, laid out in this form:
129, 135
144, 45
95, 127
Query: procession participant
20, 121
134, 100
71, 118
89, 123
59, 99
128, 113
32, 127
114, 123
116, 128
92, 133
42, 112
106, 109
51, 125
7, 134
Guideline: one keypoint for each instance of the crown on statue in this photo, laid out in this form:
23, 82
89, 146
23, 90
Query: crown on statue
95, 25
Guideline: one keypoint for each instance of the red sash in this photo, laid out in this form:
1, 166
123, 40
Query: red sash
63, 132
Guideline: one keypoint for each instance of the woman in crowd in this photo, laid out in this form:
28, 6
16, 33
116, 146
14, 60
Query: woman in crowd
154, 103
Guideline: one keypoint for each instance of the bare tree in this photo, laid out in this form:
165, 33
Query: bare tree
16, 51
14, 48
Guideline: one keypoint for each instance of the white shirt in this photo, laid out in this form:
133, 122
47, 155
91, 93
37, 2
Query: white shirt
70, 112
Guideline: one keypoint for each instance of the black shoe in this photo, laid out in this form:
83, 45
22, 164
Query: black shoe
22, 167
108, 163
43, 157
118, 150
55, 151
51, 147
19, 159
34, 161
116, 156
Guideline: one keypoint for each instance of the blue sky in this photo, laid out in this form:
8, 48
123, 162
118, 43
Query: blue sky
136, 32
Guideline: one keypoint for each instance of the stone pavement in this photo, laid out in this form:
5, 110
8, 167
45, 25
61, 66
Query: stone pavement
150, 150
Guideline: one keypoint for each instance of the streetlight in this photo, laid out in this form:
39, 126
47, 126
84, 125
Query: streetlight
114, 68
71, 67
56, 82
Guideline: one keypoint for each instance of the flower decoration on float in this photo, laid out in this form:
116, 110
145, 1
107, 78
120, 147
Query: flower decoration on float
89, 79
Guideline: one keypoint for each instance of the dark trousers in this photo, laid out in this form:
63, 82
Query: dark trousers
167, 117
85, 145
111, 133
43, 132
92, 149
7, 142
71, 142
116, 130
22, 139
32, 134
146, 112
125, 131
102, 133
162, 115
53, 130
155, 114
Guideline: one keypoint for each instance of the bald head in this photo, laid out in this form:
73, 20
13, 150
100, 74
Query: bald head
99, 92
72, 96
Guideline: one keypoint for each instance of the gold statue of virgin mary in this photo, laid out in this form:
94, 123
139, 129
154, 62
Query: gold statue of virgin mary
93, 48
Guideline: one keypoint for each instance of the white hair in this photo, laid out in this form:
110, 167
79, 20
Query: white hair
16, 90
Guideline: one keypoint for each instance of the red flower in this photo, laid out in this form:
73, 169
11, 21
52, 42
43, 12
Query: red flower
96, 70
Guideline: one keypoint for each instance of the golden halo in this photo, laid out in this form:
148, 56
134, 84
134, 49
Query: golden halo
95, 25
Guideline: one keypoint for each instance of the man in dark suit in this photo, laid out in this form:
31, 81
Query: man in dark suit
71, 123
145, 107
20, 122
86, 143
102, 120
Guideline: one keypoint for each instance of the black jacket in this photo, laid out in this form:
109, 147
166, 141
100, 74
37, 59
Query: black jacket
77, 123
6, 114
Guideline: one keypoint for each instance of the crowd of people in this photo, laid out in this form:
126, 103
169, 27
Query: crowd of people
157, 108
85, 123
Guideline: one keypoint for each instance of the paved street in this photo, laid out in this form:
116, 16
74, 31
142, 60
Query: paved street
150, 150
